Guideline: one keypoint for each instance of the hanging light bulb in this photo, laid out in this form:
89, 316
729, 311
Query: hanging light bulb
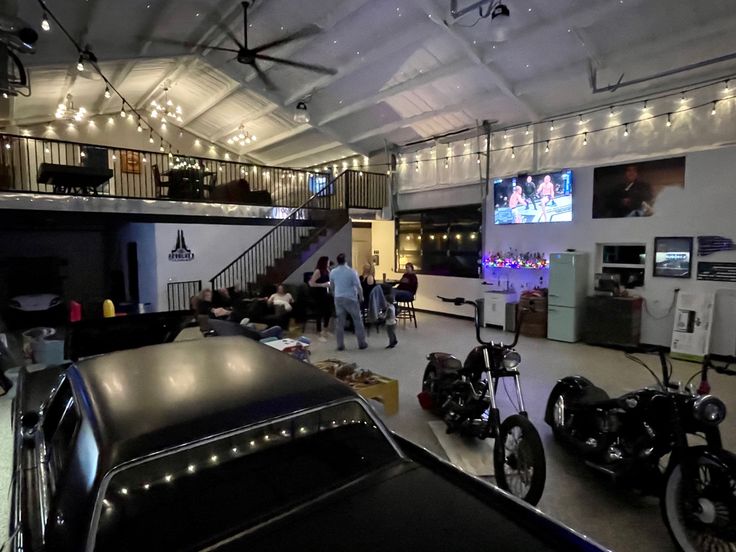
80, 63
150, 137
669, 120
611, 112
107, 92
726, 85
713, 111
526, 132
585, 139
580, 119
683, 99
546, 147
161, 148
505, 135
416, 166
45, 22
140, 127
552, 126
626, 130
122, 110
478, 160
301, 115
645, 107
513, 154
447, 163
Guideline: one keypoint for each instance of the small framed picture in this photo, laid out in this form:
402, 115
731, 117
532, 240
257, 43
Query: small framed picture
673, 257
131, 162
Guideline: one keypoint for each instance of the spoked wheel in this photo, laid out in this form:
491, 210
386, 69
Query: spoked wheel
707, 521
518, 459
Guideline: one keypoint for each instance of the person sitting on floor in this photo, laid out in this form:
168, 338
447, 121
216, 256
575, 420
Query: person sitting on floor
407, 288
281, 300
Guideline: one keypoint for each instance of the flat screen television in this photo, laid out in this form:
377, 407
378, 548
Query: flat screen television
527, 199
317, 182
673, 257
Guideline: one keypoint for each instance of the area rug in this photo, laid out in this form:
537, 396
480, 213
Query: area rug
473, 456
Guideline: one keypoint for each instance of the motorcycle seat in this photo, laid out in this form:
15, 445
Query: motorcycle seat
446, 361
592, 395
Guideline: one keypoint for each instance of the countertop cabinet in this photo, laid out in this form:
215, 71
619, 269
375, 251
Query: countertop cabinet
612, 320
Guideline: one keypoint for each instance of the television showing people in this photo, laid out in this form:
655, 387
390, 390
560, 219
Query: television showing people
525, 199
631, 189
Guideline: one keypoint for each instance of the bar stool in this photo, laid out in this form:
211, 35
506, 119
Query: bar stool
407, 312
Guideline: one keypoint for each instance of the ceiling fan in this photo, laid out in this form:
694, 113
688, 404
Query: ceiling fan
251, 56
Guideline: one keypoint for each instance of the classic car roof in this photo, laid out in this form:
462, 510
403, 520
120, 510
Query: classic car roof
146, 400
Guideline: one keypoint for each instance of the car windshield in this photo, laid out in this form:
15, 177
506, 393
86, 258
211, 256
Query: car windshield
195, 497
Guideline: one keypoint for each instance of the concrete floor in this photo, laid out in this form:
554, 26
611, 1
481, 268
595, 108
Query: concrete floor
619, 519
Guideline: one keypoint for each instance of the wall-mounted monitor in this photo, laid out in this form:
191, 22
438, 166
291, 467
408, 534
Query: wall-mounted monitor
316, 184
673, 257
527, 199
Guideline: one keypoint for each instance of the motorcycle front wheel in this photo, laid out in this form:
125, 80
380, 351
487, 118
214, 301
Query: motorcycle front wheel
707, 522
518, 459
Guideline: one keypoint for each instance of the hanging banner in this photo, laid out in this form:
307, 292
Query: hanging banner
693, 321
717, 272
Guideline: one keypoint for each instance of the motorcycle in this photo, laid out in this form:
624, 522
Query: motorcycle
641, 439
464, 394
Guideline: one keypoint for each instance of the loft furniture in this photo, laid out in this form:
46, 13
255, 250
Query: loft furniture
189, 183
612, 320
162, 186
238, 191
69, 179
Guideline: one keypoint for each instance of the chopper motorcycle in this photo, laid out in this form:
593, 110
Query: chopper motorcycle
464, 395
641, 439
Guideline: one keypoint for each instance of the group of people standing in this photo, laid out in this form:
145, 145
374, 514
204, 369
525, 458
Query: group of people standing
349, 293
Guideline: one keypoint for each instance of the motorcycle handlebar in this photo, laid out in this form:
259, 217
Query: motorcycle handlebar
458, 301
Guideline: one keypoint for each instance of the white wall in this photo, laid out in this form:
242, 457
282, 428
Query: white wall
214, 247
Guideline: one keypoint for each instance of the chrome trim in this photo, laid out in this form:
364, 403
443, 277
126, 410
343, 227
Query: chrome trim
92, 533
491, 393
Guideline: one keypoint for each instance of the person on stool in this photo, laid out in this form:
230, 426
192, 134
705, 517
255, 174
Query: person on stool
346, 289
407, 288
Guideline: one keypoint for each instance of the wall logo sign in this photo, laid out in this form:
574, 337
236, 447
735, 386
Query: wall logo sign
181, 252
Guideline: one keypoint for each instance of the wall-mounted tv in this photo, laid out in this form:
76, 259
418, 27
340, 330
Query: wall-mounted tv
316, 184
673, 257
526, 199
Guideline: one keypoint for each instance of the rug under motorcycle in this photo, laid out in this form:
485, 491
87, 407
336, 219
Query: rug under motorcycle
473, 456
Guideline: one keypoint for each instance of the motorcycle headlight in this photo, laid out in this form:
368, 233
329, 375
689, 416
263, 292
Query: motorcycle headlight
709, 410
511, 360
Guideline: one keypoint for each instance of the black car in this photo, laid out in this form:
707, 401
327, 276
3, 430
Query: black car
226, 444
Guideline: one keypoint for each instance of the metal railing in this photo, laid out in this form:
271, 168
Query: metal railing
133, 175
283, 249
179, 294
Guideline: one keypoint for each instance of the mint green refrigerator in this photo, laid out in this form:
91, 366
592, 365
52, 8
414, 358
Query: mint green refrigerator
568, 286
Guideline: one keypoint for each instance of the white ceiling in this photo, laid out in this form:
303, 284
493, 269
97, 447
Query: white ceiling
403, 74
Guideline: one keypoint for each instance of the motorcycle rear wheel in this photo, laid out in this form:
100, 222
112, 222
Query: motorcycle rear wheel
429, 386
713, 527
518, 459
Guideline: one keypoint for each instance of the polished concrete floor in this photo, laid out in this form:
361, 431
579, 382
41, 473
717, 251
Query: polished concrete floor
619, 519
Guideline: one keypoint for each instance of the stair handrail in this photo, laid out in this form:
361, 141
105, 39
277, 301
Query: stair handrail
282, 222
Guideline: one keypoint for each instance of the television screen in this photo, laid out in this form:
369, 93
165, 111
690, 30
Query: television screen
317, 182
525, 199
672, 257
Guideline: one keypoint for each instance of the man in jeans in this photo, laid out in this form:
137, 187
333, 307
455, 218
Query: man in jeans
348, 293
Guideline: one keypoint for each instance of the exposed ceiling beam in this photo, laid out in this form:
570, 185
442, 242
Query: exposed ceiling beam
285, 135
222, 133
496, 77
422, 79
307, 153
212, 102
402, 41
408, 121
179, 69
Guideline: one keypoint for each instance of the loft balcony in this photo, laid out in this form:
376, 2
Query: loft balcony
56, 175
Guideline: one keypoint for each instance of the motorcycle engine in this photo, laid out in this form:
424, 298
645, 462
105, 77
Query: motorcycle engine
463, 402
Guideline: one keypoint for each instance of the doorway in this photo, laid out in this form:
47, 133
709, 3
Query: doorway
362, 245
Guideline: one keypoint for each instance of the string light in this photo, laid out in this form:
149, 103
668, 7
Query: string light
546, 147
645, 108
80, 63
45, 22
140, 127
513, 154
552, 126
505, 135
727, 85
478, 160
447, 163
122, 110
669, 120
107, 92
416, 166
580, 120
161, 148
526, 132
611, 113
150, 137
713, 111
585, 139
626, 130
683, 99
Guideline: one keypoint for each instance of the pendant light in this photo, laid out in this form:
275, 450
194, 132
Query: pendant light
301, 115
